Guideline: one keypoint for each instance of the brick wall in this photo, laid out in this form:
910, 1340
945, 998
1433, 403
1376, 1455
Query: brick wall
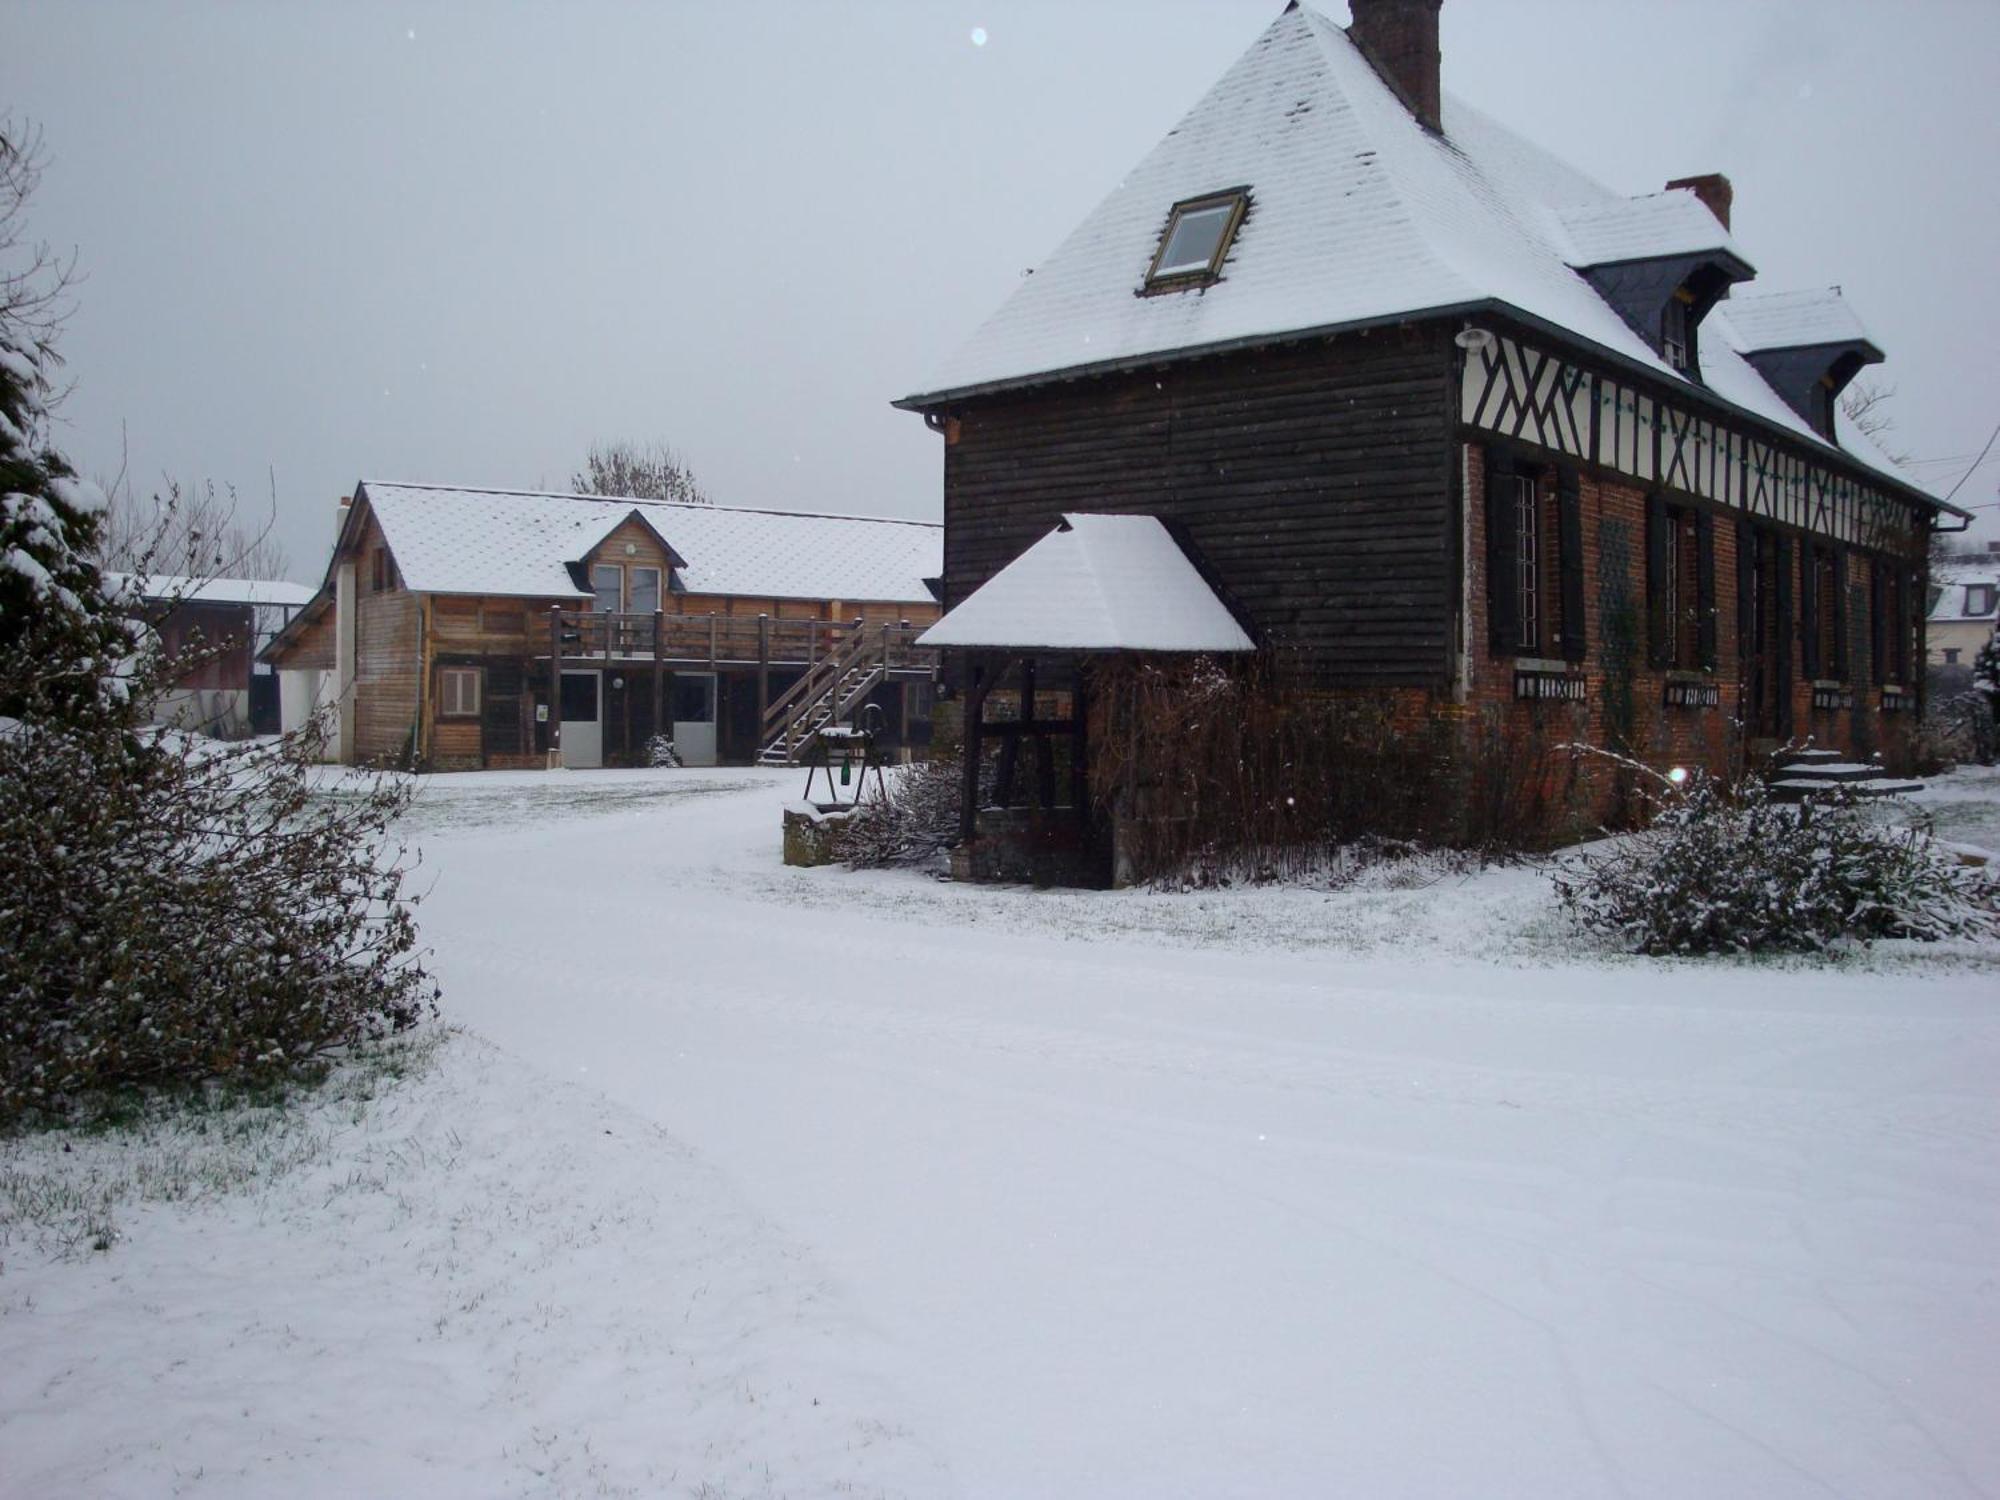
1622, 690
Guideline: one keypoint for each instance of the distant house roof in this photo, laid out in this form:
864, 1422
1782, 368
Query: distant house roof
1095, 583
1968, 599
513, 542
158, 587
1792, 320
1357, 216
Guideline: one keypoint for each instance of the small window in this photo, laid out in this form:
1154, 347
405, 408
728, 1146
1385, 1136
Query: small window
1677, 332
1951, 656
1822, 403
1979, 600
1198, 235
458, 692
382, 572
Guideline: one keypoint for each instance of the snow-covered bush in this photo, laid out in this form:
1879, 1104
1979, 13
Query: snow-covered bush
915, 822
661, 751
1729, 869
170, 909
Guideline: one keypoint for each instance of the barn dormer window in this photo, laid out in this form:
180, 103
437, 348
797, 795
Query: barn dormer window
1197, 237
1677, 332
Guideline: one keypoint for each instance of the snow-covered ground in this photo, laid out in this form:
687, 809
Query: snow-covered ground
1402, 1190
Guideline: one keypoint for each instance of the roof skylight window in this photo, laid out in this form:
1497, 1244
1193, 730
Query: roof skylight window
1198, 235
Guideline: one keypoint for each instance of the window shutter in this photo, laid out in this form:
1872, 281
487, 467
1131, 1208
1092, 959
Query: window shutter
1839, 665
1878, 637
1809, 608
1746, 592
1657, 623
1912, 656
1502, 626
1782, 634
1704, 588
1569, 543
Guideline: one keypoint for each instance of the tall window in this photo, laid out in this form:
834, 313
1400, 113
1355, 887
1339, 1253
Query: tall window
1827, 615
645, 583
1680, 587
607, 581
1527, 565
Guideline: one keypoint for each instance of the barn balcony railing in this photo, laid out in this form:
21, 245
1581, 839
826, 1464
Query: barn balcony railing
711, 640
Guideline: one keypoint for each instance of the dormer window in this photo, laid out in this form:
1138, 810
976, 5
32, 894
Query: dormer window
1677, 332
1820, 412
1197, 237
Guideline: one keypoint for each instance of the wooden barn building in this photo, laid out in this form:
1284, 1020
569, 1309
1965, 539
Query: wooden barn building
1438, 418
212, 630
460, 629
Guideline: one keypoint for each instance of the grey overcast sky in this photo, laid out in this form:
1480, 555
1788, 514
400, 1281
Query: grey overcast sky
459, 242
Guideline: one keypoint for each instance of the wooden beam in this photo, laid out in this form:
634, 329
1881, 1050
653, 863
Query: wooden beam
659, 671
1079, 769
555, 680
763, 672
1010, 748
975, 709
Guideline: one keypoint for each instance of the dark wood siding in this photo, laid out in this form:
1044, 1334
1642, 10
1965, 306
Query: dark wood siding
1316, 479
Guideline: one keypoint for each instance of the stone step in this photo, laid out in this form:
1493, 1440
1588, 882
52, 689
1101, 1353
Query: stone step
1828, 771
1794, 789
1810, 757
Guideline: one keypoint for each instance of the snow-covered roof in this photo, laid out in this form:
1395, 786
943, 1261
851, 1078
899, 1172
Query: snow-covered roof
1791, 320
1095, 583
515, 542
1604, 230
260, 591
1966, 598
1358, 215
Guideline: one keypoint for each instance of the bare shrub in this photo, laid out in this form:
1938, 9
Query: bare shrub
915, 822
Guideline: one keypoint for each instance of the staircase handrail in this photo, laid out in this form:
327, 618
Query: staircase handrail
822, 678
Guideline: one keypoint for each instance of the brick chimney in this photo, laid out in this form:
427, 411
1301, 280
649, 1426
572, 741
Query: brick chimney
1714, 191
1400, 38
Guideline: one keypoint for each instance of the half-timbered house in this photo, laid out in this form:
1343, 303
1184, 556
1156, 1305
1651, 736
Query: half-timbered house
460, 629
1442, 418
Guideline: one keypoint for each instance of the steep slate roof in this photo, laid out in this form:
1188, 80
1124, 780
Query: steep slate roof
1358, 215
514, 542
1607, 230
1792, 320
1095, 583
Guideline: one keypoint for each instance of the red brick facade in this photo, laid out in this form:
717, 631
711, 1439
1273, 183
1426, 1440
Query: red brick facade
1624, 702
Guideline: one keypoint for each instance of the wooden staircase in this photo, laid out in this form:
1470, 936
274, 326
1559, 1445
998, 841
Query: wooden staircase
835, 687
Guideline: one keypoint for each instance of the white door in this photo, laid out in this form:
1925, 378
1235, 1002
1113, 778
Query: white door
694, 717
582, 720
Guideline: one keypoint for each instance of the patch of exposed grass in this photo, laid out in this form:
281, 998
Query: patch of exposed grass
64, 1184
